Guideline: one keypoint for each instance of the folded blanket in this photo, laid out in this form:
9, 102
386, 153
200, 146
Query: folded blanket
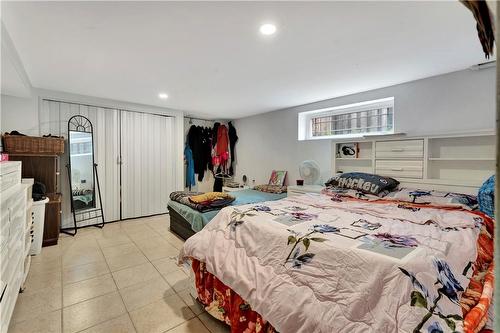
271, 188
185, 199
208, 197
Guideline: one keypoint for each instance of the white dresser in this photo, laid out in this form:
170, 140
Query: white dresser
298, 190
15, 237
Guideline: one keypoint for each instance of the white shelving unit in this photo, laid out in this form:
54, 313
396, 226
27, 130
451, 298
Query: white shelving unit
462, 161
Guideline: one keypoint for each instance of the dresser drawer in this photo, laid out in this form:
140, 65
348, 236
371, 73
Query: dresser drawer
400, 149
399, 169
10, 179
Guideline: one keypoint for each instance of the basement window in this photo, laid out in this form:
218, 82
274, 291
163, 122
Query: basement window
348, 121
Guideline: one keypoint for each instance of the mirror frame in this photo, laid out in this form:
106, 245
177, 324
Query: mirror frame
81, 124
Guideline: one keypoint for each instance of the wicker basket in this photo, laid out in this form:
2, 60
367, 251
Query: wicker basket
33, 145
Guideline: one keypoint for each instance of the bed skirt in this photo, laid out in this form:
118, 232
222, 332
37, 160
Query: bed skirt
223, 303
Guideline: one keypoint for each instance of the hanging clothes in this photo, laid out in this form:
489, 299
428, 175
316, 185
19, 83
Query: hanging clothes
233, 137
215, 131
222, 146
218, 182
195, 142
190, 179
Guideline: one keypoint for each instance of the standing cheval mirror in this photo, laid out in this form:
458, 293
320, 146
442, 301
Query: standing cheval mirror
82, 174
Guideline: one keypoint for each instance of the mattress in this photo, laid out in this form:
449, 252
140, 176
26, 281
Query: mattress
313, 263
199, 220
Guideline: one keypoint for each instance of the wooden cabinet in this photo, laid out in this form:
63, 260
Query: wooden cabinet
44, 169
52, 223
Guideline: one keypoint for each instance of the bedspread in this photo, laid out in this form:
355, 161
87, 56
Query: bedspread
313, 264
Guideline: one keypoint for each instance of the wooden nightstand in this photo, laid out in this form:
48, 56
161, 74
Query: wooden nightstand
298, 190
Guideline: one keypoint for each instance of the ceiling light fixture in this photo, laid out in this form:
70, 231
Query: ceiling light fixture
162, 95
267, 29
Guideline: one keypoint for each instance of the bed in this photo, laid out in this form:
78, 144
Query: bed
311, 263
186, 221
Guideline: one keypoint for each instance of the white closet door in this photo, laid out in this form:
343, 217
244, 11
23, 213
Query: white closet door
54, 120
147, 163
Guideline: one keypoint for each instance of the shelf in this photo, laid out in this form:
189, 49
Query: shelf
460, 159
33, 154
353, 159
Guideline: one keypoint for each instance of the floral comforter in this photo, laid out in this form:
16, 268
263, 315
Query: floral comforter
319, 264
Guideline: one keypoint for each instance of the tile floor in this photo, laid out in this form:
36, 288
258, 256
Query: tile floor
122, 278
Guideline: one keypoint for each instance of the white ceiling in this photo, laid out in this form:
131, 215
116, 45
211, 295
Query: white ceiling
211, 60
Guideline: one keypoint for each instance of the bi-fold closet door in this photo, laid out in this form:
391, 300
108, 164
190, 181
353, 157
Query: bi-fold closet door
134, 154
147, 163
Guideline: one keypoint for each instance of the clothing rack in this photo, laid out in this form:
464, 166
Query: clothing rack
200, 119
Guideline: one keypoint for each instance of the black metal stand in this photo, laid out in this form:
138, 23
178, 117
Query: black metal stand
88, 214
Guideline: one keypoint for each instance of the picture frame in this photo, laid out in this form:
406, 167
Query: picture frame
277, 177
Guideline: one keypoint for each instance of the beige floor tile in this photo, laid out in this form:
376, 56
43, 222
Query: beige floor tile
85, 256
110, 228
192, 326
178, 280
174, 240
46, 323
121, 249
160, 251
160, 226
90, 231
92, 312
214, 325
65, 242
113, 239
166, 265
133, 226
81, 291
82, 272
190, 301
120, 262
82, 243
48, 253
155, 240
49, 266
144, 293
161, 315
133, 275
145, 234
38, 281
32, 304
122, 324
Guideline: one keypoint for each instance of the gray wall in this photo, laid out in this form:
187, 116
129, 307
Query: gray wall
457, 102
19, 113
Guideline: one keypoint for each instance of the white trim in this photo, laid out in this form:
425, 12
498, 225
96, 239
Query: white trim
354, 107
305, 119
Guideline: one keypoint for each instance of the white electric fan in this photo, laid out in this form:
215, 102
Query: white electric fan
309, 172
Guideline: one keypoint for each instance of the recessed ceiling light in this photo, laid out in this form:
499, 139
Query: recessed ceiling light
267, 29
162, 95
